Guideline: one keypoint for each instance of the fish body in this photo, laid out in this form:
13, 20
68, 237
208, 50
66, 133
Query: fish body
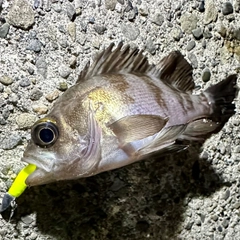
122, 110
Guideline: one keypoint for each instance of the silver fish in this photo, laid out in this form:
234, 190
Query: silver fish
122, 110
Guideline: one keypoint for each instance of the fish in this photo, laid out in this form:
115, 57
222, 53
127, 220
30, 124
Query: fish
121, 110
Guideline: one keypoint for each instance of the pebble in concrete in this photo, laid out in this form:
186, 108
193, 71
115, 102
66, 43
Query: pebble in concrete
227, 8
25, 120
21, 14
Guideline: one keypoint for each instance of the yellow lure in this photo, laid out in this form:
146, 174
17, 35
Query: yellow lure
19, 185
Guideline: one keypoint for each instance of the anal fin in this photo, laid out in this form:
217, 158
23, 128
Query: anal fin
199, 129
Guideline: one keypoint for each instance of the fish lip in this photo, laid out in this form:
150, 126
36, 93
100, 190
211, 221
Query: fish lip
35, 161
29, 162
26, 160
37, 176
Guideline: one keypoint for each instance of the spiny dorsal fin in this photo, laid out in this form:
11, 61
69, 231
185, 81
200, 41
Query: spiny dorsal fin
124, 59
176, 71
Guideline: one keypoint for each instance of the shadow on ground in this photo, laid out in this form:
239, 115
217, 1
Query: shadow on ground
144, 200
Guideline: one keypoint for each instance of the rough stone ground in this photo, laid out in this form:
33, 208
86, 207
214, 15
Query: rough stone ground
191, 195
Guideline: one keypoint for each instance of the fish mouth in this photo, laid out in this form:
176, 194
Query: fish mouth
41, 175
40, 162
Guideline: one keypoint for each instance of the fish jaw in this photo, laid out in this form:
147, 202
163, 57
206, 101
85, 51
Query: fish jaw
43, 173
39, 177
47, 166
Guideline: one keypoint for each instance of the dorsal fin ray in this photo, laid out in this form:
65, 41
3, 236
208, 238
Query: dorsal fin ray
176, 71
119, 60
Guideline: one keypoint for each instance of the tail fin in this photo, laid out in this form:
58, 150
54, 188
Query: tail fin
222, 96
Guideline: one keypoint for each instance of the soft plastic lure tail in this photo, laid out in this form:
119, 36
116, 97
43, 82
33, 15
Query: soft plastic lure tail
17, 188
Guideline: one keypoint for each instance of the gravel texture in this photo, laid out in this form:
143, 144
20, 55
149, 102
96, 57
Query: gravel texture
192, 195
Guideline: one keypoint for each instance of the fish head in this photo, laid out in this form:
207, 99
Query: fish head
60, 150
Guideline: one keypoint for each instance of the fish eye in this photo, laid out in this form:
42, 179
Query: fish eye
44, 133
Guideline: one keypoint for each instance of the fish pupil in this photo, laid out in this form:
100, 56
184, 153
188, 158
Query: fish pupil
46, 135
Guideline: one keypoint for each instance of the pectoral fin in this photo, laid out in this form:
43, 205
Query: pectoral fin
136, 127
